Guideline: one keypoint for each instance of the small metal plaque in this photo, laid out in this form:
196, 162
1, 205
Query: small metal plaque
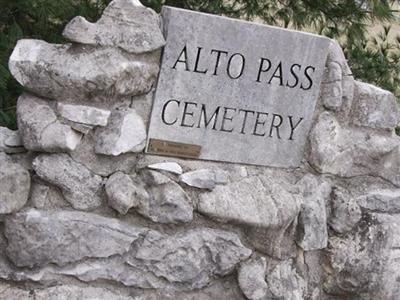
173, 149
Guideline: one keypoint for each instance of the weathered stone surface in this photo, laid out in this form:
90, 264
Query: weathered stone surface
336, 55
171, 167
345, 212
333, 72
81, 72
168, 202
122, 192
331, 95
10, 141
348, 152
257, 201
37, 238
102, 164
40, 129
43, 196
312, 228
15, 184
84, 114
389, 166
124, 133
358, 259
374, 107
125, 23
80, 187
70, 292
285, 283
251, 278
383, 201
204, 178
218, 91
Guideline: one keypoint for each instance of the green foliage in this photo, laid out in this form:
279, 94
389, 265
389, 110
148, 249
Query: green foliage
375, 60
38, 19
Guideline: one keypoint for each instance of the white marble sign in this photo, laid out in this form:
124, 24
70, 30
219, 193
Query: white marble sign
235, 91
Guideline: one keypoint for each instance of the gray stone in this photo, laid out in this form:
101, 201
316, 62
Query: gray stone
9, 292
40, 129
125, 23
125, 132
345, 212
10, 141
374, 107
333, 72
15, 184
45, 197
285, 283
84, 114
37, 238
383, 201
335, 54
257, 201
80, 187
358, 260
251, 278
122, 192
171, 167
224, 90
168, 202
71, 292
204, 178
331, 94
71, 72
349, 151
102, 164
312, 228
389, 166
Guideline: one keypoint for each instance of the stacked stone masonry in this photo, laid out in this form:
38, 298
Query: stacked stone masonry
84, 214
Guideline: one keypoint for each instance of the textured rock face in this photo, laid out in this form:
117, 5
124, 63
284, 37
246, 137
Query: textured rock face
251, 279
168, 202
10, 141
383, 201
255, 201
167, 166
122, 192
125, 132
15, 184
375, 108
78, 72
40, 129
312, 230
84, 114
204, 179
68, 236
80, 187
125, 23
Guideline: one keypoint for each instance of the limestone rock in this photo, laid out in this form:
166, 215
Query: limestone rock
358, 260
168, 202
71, 72
37, 238
84, 114
125, 23
331, 94
102, 164
71, 292
183, 261
80, 187
40, 129
251, 277
389, 166
10, 141
204, 178
171, 167
256, 201
383, 201
45, 197
15, 184
348, 152
125, 132
312, 228
374, 107
285, 283
123, 193
336, 55
345, 213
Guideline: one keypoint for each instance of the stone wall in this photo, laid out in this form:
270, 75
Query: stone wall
84, 214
